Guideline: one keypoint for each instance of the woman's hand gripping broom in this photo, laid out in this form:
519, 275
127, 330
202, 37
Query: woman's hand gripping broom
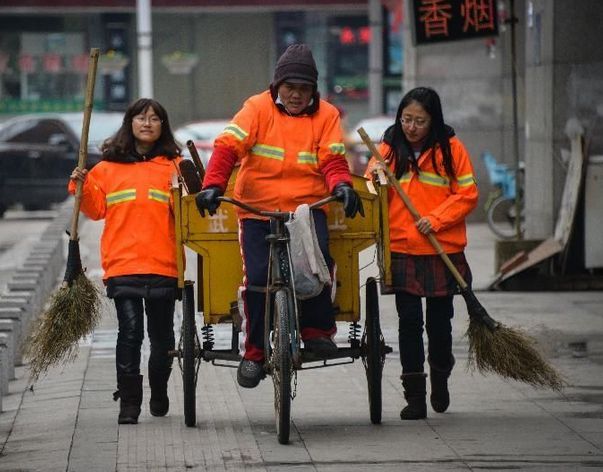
493, 347
74, 309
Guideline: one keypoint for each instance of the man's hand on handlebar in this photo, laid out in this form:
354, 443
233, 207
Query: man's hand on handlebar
207, 199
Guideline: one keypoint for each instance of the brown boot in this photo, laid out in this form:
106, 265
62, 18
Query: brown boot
129, 393
415, 394
440, 397
159, 404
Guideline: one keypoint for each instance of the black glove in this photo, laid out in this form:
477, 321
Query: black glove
352, 203
207, 199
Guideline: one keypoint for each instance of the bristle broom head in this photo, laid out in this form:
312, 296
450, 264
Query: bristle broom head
511, 354
72, 313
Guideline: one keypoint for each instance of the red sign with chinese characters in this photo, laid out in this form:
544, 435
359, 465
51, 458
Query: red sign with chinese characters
349, 35
27, 64
79, 63
52, 63
448, 20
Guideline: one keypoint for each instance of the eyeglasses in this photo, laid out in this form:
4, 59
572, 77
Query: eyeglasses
141, 120
418, 122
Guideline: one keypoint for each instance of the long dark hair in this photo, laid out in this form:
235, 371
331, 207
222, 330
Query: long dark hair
121, 147
439, 133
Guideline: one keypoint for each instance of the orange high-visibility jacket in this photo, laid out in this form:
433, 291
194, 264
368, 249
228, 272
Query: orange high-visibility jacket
445, 201
134, 199
284, 159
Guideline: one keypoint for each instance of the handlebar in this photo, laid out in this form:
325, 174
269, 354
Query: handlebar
273, 214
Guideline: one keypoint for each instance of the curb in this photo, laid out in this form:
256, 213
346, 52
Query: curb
27, 292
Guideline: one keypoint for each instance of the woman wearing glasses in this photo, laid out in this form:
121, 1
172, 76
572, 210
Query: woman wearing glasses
434, 169
129, 189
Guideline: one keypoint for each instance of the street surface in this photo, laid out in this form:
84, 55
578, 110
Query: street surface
67, 421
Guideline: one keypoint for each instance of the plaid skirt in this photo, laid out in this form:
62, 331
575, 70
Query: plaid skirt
427, 276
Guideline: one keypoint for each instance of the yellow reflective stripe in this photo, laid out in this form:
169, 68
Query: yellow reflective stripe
271, 152
433, 179
466, 180
406, 177
236, 131
159, 195
305, 157
121, 196
337, 148
430, 178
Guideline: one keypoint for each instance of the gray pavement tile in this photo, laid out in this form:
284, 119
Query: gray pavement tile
492, 424
397, 466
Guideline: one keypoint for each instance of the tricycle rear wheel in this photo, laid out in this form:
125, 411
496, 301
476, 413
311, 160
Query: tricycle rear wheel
189, 369
373, 351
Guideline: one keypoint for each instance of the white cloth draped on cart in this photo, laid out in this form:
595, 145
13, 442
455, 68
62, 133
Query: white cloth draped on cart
310, 270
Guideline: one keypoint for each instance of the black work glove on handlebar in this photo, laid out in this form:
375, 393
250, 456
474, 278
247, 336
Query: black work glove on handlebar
352, 203
207, 199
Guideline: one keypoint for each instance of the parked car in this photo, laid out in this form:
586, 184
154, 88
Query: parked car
202, 133
39, 151
357, 152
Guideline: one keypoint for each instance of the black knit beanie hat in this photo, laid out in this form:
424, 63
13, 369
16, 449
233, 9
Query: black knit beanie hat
297, 66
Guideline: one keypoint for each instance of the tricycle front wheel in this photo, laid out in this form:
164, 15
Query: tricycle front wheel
281, 366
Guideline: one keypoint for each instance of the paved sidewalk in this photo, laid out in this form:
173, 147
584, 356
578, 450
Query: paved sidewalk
68, 421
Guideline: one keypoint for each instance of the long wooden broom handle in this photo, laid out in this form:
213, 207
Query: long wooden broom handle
411, 208
83, 153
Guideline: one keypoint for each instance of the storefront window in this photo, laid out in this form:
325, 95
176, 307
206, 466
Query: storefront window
394, 60
349, 38
42, 71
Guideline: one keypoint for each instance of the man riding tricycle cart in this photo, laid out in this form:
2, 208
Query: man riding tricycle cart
212, 299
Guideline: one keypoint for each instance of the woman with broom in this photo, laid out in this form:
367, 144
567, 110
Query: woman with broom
129, 189
434, 169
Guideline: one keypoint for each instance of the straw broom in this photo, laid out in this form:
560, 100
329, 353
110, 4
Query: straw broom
493, 347
74, 309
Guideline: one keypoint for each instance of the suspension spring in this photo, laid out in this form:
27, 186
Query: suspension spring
207, 333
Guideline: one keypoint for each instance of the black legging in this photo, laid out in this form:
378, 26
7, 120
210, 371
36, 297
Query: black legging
160, 328
439, 313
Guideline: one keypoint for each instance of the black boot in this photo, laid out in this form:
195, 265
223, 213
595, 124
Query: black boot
415, 394
129, 393
159, 404
440, 397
